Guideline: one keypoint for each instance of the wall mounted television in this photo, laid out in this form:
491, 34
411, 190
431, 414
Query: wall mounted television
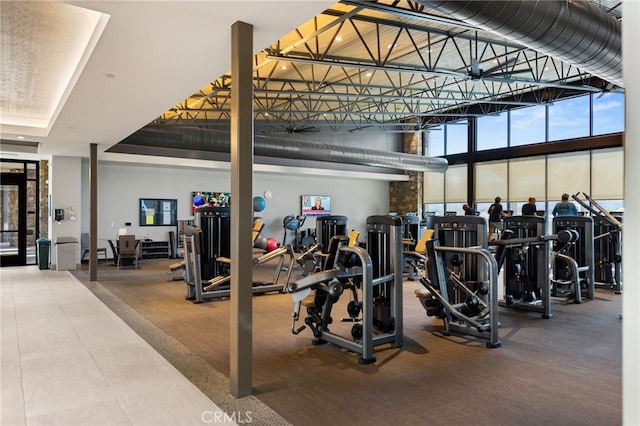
158, 212
210, 199
316, 205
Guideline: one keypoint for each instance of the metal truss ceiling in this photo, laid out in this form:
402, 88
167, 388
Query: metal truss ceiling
390, 65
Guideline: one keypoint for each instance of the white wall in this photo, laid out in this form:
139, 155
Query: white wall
65, 183
120, 185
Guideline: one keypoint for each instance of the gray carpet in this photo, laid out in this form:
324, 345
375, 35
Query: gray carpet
560, 371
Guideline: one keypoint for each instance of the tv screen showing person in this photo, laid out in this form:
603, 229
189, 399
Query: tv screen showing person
316, 205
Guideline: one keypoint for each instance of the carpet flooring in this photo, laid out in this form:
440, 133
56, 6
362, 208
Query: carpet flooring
560, 371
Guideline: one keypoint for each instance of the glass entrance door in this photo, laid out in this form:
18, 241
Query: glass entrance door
13, 219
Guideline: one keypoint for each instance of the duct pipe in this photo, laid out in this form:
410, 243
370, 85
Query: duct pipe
573, 31
194, 138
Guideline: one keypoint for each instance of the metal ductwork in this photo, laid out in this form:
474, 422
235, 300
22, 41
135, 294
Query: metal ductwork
573, 31
194, 138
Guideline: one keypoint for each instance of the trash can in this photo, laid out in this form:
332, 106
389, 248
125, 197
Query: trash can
44, 247
66, 249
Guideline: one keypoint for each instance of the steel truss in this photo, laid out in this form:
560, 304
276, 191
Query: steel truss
371, 64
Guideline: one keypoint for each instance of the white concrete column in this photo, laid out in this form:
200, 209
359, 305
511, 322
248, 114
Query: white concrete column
631, 225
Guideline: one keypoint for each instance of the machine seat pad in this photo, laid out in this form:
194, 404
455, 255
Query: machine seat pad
310, 300
422, 292
176, 266
223, 260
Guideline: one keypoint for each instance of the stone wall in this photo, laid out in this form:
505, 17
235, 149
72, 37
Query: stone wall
406, 197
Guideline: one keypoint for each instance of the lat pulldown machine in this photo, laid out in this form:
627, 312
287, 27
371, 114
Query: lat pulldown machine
527, 261
461, 280
607, 229
573, 261
525, 254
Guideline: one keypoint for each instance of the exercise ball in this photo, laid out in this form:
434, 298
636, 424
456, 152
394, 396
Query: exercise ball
259, 204
260, 242
291, 223
272, 244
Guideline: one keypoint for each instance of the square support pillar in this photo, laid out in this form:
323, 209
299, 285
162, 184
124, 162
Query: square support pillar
241, 321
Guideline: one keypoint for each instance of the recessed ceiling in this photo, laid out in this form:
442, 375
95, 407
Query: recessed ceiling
45, 46
140, 58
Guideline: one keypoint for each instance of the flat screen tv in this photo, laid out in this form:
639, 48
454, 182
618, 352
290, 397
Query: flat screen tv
158, 212
316, 205
211, 199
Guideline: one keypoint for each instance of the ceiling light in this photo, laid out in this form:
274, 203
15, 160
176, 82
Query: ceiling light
338, 38
20, 137
389, 46
284, 67
368, 74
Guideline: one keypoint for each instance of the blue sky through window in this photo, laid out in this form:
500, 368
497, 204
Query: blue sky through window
608, 113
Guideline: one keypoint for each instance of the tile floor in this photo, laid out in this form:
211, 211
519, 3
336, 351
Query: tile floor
68, 360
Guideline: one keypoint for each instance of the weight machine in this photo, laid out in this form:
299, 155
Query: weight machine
200, 289
463, 231
292, 231
326, 228
447, 297
573, 262
376, 273
607, 229
215, 224
412, 231
329, 226
525, 254
461, 278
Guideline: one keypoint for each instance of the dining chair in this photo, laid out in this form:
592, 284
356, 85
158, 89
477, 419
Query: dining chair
84, 244
128, 249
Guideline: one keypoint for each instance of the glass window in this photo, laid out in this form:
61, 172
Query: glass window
527, 125
455, 180
527, 178
31, 171
457, 137
433, 187
483, 208
607, 174
612, 206
435, 147
568, 173
492, 131
569, 118
491, 181
608, 113
438, 208
455, 207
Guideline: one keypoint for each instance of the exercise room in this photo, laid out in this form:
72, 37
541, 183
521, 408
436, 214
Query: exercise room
325, 213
